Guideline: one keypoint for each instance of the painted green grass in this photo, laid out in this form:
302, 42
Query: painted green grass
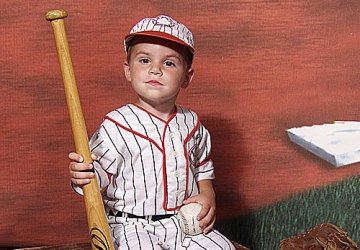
263, 229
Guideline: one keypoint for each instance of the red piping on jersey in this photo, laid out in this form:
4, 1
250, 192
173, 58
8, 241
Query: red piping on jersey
162, 150
157, 117
187, 156
136, 133
203, 162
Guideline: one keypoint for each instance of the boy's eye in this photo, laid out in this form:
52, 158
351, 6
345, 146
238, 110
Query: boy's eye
169, 63
144, 60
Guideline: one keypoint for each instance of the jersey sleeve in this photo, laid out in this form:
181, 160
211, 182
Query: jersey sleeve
105, 164
204, 168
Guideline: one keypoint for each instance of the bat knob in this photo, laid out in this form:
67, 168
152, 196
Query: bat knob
56, 14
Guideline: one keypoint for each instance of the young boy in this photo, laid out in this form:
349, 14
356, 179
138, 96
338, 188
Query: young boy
152, 156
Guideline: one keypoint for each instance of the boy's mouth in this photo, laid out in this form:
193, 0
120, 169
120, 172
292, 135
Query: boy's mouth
154, 82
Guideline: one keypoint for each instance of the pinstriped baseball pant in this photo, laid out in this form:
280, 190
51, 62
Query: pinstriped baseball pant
134, 234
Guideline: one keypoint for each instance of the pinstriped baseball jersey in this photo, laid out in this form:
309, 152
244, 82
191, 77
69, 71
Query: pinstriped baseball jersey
148, 165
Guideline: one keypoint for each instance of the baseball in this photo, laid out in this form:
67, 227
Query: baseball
187, 218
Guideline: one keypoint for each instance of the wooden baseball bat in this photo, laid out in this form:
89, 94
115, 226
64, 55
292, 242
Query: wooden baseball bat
97, 221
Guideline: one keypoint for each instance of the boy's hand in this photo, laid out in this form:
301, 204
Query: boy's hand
206, 198
79, 171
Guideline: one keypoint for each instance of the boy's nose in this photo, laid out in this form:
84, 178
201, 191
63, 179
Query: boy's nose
155, 69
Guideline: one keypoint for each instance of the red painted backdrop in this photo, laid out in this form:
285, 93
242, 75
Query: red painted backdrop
261, 67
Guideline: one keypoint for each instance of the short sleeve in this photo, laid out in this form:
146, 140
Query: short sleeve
204, 168
105, 165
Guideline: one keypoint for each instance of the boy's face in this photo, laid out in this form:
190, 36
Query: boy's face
157, 70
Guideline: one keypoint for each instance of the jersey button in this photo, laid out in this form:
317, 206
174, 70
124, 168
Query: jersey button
176, 173
175, 153
177, 193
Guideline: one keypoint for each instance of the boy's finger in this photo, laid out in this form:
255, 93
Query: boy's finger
204, 222
94, 157
75, 157
190, 200
80, 167
81, 175
208, 221
80, 182
209, 226
204, 211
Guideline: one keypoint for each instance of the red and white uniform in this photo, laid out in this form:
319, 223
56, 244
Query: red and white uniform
148, 166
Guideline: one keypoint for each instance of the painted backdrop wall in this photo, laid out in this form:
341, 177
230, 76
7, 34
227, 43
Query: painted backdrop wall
261, 67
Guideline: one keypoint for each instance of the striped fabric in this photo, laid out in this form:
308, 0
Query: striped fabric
131, 234
147, 165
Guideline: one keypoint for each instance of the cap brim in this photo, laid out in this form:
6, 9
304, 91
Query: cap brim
163, 35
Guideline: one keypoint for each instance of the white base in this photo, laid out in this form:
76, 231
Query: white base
337, 143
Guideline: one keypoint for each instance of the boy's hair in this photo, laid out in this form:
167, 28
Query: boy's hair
163, 27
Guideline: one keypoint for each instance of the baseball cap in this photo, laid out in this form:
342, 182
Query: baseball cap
164, 27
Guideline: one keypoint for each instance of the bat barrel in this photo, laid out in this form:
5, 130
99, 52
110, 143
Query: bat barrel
97, 221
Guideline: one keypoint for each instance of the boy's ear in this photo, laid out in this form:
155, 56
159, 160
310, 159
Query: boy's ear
188, 78
126, 67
